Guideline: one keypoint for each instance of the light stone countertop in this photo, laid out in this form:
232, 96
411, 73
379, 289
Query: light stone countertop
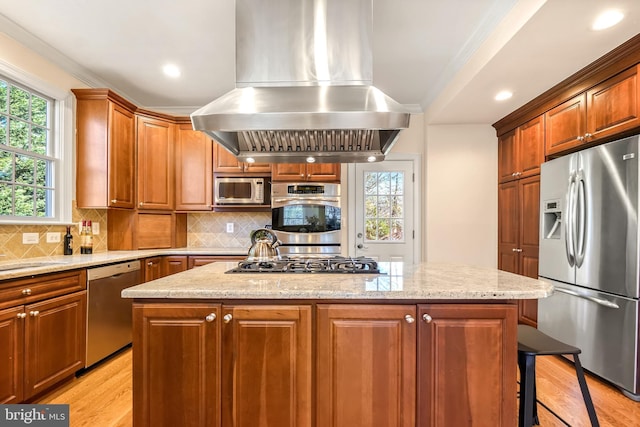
402, 282
52, 264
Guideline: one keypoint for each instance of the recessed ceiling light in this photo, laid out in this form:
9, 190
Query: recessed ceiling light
171, 70
607, 19
250, 160
503, 94
311, 159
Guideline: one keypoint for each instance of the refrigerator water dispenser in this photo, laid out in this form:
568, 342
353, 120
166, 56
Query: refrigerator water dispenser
551, 219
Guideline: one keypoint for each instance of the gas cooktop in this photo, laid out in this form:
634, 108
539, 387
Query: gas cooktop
336, 264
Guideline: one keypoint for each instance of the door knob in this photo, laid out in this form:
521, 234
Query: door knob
359, 235
360, 246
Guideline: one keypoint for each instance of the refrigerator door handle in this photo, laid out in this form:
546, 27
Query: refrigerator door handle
597, 300
569, 223
580, 214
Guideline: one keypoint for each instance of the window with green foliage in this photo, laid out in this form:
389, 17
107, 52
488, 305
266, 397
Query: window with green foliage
384, 206
26, 153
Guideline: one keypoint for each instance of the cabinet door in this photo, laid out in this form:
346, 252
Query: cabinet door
614, 105
152, 268
179, 384
529, 243
565, 125
224, 161
121, 152
194, 170
155, 164
200, 260
508, 226
55, 341
294, 172
508, 157
467, 365
323, 172
255, 168
173, 264
531, 147
11, 354
266, 366
366, 366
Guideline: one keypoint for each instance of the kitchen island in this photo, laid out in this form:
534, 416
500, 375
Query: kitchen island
421, 345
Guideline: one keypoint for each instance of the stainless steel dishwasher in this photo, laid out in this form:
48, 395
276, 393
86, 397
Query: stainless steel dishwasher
108, 314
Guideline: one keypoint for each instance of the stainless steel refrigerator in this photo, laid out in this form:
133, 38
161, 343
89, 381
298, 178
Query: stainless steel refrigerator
589, 251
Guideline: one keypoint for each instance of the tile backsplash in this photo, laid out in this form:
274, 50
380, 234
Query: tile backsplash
204, 230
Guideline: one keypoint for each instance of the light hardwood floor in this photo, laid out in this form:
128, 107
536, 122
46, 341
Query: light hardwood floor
102, 396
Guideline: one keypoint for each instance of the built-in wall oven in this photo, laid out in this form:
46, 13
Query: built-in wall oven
306, 217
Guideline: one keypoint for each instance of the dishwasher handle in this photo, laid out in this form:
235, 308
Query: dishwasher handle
112, 270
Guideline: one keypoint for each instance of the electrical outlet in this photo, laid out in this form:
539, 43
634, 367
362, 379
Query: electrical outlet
95, 228
30, 238
53, 237
229, 227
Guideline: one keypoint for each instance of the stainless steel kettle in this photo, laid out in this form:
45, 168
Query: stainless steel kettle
264, 245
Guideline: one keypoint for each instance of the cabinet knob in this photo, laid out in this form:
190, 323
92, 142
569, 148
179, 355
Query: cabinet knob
150, 263
580, 138
513, 174
26, 291
409, 318
114, 200
211, 317
427, 318
227, 318
34, 313
519, 250
22, 315
141, 204
587, 135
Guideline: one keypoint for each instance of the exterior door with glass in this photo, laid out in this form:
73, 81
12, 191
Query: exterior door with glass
384, 214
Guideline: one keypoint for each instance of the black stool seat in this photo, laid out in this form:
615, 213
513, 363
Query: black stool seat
532, 343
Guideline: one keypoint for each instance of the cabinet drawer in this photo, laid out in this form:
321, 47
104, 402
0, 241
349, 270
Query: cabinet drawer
36, 288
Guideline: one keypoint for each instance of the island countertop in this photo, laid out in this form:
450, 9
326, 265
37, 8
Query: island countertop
401, 281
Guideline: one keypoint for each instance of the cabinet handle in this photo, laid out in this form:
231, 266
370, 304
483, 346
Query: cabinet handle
150, 263
26, 291
114, 200
141, 204
513, 174
211, 317
427, 318
34, 313
227, 318
22, 315
587, 135
580, 138
519, 250
409, 318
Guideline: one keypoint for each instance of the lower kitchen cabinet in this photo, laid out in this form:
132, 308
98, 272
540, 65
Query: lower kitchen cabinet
265, 352
11, 354
366, 365
153, 268
200, 260
467, 358
172, 264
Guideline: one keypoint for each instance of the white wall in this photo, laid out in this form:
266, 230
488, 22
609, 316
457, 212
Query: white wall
461, 194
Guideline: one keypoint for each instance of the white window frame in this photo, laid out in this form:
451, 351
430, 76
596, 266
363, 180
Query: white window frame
62, 138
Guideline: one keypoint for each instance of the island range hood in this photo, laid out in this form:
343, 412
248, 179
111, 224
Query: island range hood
303, 86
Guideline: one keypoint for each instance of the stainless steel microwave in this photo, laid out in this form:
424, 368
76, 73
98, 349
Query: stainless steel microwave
239, 191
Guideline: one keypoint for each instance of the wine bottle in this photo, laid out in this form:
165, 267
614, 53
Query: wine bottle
68, 242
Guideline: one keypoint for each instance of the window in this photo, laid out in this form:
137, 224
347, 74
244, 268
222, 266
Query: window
27, 154
384, 206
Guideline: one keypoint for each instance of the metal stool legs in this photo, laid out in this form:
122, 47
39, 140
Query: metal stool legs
585, 392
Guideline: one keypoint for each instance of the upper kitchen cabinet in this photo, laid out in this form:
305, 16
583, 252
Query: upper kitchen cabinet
105, 169
316, 172
155, 138
194, 169
521, 151
605, 110
225, 162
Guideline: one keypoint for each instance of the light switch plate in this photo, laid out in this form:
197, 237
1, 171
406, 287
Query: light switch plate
229, 227
53, 237
30, 238
95, 228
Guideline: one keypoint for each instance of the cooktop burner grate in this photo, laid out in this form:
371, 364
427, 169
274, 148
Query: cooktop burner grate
335, 264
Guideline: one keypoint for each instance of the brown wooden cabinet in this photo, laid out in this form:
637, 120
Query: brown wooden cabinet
153, 268
180, 386
105, 153
200, 260
226, 163
194, 170
521, 151
155, 144
42, 333
518, 234
366, 365
133, 229
605, 110
172, 264
296, 172
266, 364
466, 364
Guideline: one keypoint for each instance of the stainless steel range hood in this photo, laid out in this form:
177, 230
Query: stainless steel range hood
303, 86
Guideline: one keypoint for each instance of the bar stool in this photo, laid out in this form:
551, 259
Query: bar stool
532, 343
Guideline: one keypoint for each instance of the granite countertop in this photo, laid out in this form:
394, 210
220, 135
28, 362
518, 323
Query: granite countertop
411, 282
52, 264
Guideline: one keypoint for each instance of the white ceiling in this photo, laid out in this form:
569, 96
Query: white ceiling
445, 57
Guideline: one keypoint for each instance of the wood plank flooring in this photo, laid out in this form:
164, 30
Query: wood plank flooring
102, 396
